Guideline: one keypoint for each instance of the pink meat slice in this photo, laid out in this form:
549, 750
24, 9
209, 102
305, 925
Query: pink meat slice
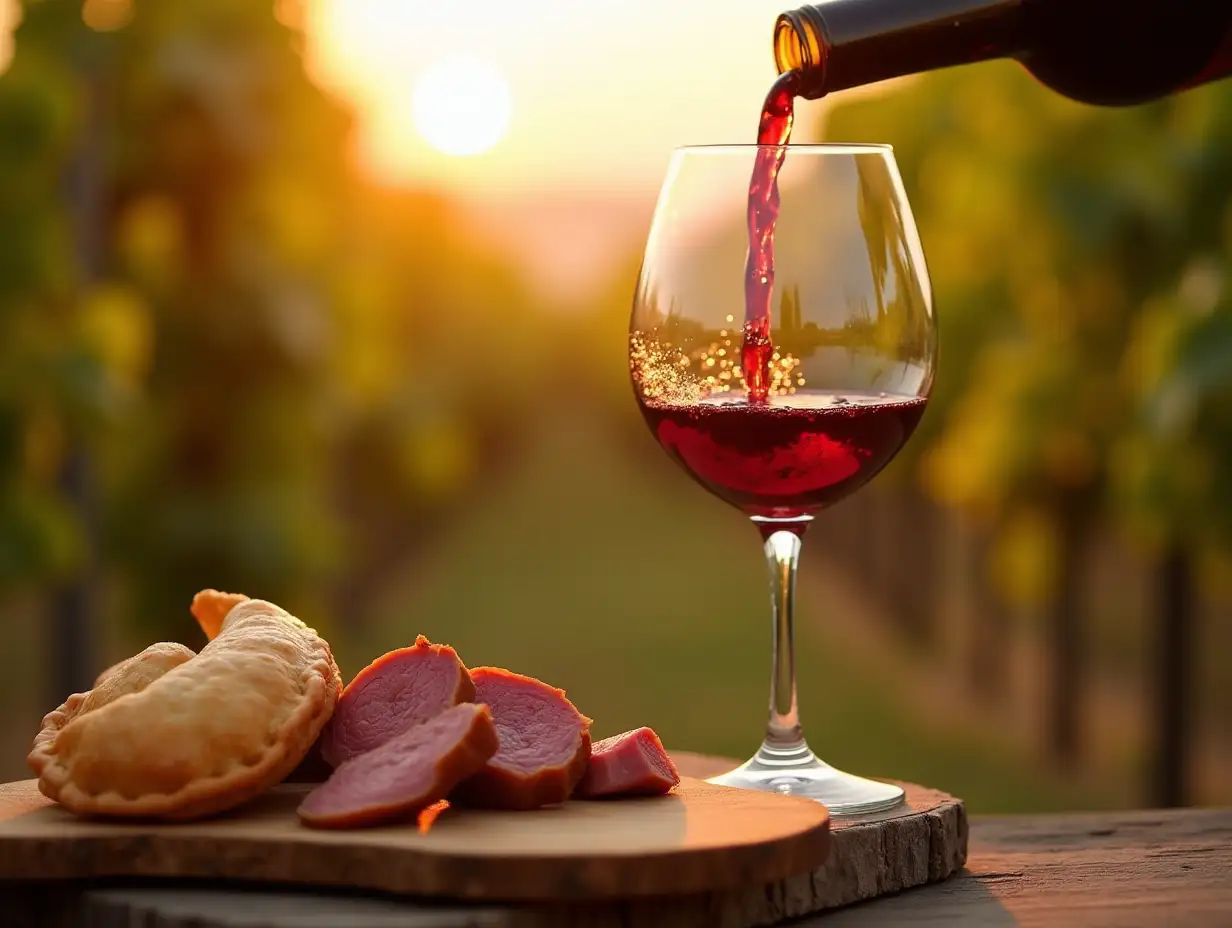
630, 764
406, 774
544, 744
396, 691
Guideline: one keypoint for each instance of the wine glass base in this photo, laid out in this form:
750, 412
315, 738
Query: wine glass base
796, 771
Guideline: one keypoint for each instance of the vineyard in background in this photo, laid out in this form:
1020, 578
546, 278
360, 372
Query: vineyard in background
1083, 414
226, 359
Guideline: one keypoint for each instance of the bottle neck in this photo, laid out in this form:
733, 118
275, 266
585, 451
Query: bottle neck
839, 44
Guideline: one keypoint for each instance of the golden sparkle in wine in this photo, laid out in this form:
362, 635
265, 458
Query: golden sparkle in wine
669, 374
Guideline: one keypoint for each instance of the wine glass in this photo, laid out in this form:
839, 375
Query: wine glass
847, 370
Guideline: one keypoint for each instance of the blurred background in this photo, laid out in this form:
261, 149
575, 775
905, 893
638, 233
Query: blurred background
326, 301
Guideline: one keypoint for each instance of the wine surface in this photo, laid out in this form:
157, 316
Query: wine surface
774, 129
788, 456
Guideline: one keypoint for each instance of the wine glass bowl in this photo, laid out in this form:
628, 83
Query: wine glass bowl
847, 372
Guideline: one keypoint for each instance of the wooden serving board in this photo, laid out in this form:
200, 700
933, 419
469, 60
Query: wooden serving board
699, 839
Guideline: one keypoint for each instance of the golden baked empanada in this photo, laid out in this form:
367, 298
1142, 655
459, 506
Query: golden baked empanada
129, 676
210, 609
206, 736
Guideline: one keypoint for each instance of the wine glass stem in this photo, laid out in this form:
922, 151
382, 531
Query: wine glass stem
783, 733
784, 763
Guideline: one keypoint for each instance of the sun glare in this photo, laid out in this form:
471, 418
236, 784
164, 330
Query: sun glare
461, 106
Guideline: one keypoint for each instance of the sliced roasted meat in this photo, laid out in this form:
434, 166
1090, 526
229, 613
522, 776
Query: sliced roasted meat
544, 743
407, 773
629, 764
395, 692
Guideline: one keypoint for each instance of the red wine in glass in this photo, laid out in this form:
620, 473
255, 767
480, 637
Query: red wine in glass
774, 128
784, 462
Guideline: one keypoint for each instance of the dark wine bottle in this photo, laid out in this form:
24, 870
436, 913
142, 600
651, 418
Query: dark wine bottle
1107, 52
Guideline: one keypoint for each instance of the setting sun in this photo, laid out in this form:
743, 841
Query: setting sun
462, 107
550, 66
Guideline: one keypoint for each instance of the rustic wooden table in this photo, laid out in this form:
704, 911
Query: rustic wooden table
1145, 868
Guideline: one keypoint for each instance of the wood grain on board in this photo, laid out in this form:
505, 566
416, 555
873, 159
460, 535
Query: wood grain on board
701, 838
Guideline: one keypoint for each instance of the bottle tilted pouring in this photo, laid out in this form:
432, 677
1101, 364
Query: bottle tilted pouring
1106, 52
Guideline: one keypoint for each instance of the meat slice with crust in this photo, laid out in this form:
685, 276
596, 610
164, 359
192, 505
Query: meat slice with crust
630, 764
544, 743
406, 774
397, 691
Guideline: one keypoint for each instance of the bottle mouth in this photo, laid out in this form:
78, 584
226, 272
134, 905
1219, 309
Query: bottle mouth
799, 45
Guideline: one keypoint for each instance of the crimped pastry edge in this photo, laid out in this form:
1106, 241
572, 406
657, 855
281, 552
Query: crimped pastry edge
41, 752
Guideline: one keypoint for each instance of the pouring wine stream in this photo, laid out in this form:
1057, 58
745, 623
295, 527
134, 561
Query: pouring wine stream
777, 115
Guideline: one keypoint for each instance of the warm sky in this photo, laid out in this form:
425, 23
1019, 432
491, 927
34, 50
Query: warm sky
601, 91
593, 95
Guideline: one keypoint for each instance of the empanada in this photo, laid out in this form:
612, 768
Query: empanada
206, 736
129, 676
